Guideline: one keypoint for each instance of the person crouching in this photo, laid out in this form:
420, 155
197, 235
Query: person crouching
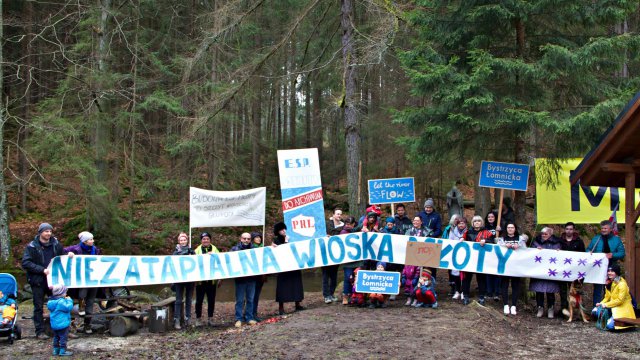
60, 306
378, 300
425, 291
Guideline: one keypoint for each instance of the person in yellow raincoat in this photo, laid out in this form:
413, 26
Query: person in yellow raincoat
616, 298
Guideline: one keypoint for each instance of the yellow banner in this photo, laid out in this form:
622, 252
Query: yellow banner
580, 204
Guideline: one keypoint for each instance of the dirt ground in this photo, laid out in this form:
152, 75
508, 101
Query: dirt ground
452, 331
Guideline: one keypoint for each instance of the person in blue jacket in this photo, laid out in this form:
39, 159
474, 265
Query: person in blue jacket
431, 219
60, 306
611, 245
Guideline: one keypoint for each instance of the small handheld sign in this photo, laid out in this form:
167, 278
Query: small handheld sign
390, 191
378, 282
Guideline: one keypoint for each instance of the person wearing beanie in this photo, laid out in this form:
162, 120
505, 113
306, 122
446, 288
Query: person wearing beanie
617, 302
607, 242
60, 306
431, 219
257, 241
183, 289
377, 300
371, 223
207, 287
35, 260
87, 296
425, 291
390, 227
289, 286
245, 287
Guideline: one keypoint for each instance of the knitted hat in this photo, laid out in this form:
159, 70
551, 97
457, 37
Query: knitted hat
43, 227
429, 202
85, 236
372, 214
255, 235
391, 220
381, 263
58, 290
205, 234
425, 273
616, 269
277, 227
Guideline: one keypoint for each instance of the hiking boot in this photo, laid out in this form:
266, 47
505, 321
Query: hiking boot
56, 351
252, 322
540, 312
327, 300
238, 324
176, 324
434, 305
456, 296
465, 301
506, 310
334, 298
481, 301
550, 313
42, 336
513, 310
418, 304
64, 352
210, 322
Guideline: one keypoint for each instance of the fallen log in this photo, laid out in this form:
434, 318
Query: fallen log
123, 326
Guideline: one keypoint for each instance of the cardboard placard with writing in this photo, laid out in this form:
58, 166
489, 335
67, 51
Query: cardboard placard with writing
423, 254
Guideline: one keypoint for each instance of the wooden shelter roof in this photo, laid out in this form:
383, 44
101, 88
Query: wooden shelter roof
617, 152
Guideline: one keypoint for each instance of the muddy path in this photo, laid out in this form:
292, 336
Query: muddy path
334, 331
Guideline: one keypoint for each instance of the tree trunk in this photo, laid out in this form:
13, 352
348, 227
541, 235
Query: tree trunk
5, 238
317, 119
123, 326
307, 111
293, 103
351, 124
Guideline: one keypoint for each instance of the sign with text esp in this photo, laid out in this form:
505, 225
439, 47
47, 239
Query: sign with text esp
378, 282
301, 187
389, 191
504, 175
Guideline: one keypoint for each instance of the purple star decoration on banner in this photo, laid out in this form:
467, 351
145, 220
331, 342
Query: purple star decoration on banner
597, 263
566, 274
581, 274
582, 262
553, 272
567, 261
552, 260
539, 259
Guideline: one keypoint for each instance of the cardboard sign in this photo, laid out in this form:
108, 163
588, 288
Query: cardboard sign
423, 254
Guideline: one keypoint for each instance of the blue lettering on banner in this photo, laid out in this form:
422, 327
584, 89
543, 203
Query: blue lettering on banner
96, 271
378, 282
504, 175
132, 272
113, 261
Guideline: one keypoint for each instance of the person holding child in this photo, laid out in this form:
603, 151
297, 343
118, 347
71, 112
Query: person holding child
60, 306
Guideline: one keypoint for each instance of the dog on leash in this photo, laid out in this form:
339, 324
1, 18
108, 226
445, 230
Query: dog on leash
575, 299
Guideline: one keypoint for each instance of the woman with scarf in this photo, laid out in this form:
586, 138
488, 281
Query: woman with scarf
548, 288
457, 233
477, 233
87, 295
289, 284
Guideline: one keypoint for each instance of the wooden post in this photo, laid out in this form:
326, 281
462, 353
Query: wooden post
359, 185
393, 211
630, 218
499, 212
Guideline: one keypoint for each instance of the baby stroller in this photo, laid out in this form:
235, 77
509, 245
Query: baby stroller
9, 287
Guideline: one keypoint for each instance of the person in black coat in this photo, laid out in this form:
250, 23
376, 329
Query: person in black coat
289, 284
37, 256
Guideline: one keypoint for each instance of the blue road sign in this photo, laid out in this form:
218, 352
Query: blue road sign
378, 282
389, 191
504, 175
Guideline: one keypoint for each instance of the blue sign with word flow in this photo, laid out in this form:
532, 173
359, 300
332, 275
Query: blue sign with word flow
389, 191
378, 282
504, 175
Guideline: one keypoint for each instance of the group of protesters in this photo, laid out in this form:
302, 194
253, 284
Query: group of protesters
418, 284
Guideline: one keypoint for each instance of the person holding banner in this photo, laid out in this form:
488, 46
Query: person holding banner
548, 288
258, 242
403, 223
349, 268
207, 287
493, 281
335, 224
511, 240
185, 288
289, 284
477, 233
431, 219
570, 241
609, 244
245, 288
86, 295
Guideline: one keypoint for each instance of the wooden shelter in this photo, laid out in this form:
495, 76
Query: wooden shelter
615, 162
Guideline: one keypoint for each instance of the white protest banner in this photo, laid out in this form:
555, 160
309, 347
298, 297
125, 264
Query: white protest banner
208, 208
99, 271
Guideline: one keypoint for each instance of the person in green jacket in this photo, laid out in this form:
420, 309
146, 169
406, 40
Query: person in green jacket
206, 287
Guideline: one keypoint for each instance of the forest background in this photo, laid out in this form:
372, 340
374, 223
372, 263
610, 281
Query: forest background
111, 109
